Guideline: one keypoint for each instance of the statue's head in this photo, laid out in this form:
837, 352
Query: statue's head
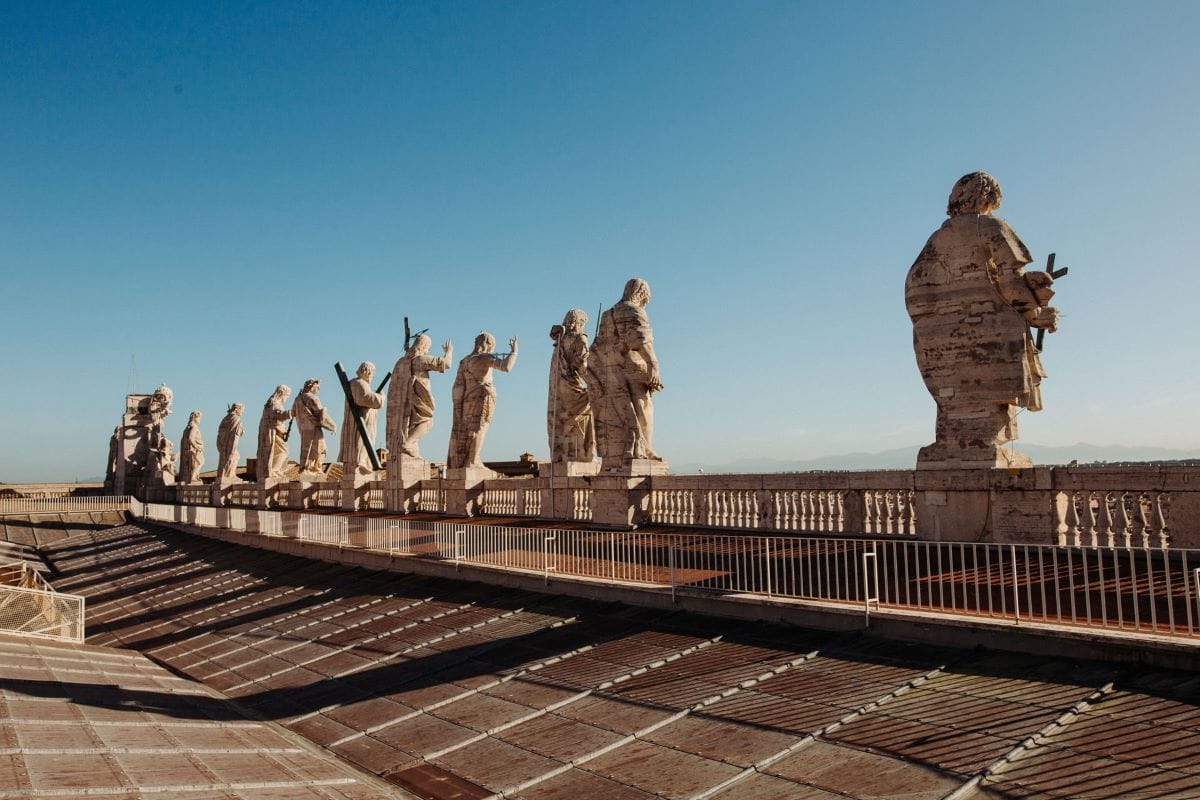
420, 345
194, 417
485, 342
366, 370
575, 319
236, 409
637, 291
977, 193
281, 393
311, 385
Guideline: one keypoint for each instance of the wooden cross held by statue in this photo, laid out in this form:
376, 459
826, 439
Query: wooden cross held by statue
1056, 274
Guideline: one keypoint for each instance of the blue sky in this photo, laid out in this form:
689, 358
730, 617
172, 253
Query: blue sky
238, 195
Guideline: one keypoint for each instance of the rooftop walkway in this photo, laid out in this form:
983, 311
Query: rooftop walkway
93, 721
451, 689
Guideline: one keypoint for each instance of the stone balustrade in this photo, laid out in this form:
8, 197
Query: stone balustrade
1118, 506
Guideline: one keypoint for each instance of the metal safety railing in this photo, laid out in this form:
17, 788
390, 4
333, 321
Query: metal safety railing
30, 606
63, 505
1143, 589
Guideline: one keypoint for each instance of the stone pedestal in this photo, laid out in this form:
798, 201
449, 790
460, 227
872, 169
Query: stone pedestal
354, 489
992, 505
404, 476
220, 490
272, 493
464, 485
620, 501
568, 469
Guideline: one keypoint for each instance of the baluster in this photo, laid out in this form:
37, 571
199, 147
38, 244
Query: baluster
889, 505
1091, 502
1143, 508
1073, 519
1123, 519
871, 520
1160, 519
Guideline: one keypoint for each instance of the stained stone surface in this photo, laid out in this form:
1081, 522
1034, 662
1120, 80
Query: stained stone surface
973, 306
272, 433
313, 420
624, 374
568, 409
229, 433
191, 450
475, 400
410, 403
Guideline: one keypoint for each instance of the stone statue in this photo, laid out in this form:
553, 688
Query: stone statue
228, 434
409, 401
158, 407
623, 376
272, 435
354, 457
164, 462
313, 420
475, 399
972, 305
191, 450
114, 452
569, 412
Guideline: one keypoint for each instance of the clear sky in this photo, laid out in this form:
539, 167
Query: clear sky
239, 195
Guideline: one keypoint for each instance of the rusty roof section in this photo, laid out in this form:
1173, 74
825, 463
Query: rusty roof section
448, 689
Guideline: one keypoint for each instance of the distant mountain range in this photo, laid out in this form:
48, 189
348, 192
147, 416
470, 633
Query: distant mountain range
906, 458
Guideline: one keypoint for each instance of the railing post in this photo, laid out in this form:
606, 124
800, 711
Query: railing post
671, 561
1016, 586
869, 598
458, 549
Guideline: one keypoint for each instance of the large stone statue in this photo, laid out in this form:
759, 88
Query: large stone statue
228, 434
191, 450
354, 457
272, 435
624, 375
569, 412
313, 420
972, 305
475, 399
409, 401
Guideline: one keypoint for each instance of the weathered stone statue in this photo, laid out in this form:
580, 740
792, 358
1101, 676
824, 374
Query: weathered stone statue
164, 463
475, 399
624, 375
354, 457
114, 454
313, 420
158, 406
972, 305
191, 450
569, 412
272, 435
228, 434
409, 401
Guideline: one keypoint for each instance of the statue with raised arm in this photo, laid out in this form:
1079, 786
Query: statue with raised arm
272, 435
228, 434
475, 399
569, 412
625, 374
972, 306
313, 420
191, 451
352, 453
410, 403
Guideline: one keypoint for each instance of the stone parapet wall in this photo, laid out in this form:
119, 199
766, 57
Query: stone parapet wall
1132, 505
